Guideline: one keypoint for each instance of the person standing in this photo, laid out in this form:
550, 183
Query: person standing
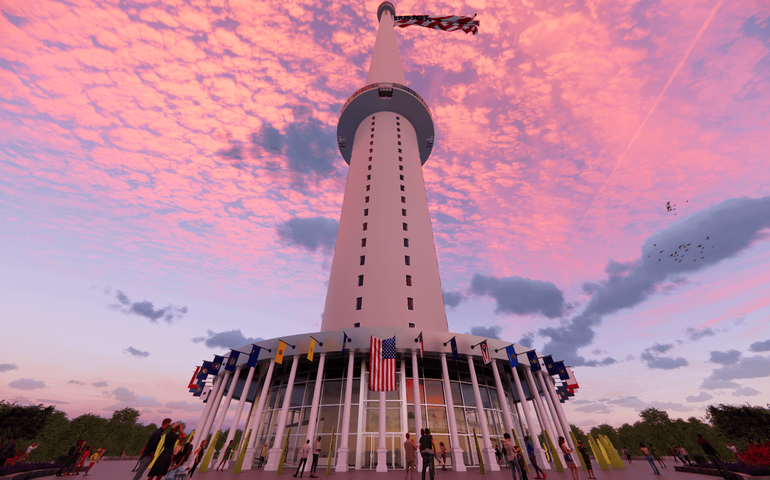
197, 455
316, 453
586, 458
160, 468
684, 454
149, 449
533, 458
522, 462
656, 455
510, 456
568, 458
178, 462
442, 452
427, 452
411, 458
304, 453
225, 457
647, 455
263, 457
713, 455
627, 453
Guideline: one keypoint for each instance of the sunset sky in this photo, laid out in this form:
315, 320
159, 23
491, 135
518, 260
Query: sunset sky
170, 186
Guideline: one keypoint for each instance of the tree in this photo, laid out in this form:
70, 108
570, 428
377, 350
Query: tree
23, 421
654, 417
579, 433
127, 416
608, 430
747, 422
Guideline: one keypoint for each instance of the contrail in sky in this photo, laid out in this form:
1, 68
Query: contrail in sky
655, 105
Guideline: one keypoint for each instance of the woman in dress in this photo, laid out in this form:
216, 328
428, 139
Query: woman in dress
160, 467
568, 458
225, 457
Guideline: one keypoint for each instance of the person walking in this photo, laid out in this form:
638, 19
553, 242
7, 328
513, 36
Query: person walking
411, 458
316, 453
533, 458
141, 454
427, 452
586, 458
713, 455
656, 456
510, 455
684, 454
647, 455
225, 457
197, 455
672, 453
148, 452
568, 458
160, 467
442, 455
304, 453
521, 461
627, 453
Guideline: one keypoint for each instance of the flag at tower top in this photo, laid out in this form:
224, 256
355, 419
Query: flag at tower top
448, 23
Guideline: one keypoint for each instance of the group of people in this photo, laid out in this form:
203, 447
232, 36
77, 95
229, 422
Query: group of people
304, 454
174, 454
80, 456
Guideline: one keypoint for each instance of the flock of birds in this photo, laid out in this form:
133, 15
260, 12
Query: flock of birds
680, 253
672, 208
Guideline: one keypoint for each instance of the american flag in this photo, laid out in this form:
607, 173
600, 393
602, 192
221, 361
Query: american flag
382, 364
449, 23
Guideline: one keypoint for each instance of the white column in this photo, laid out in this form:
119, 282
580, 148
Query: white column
344, 449
228, 399
241, 404
274, 455
417, 407
559, 411
382, 449
205, 414
539, 408
258, 411
316, 400
215, 407
458, 463
551, 409
507, 420
528, 417
487, 451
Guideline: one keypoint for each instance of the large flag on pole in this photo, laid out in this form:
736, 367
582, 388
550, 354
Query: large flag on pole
550, 365
311, 349
562, 371
571, 382
344, 342
279, 353
205, 370
485, 353
216, 364
512, 359
448, 23
254, 356
382, 364
455, 356
230, 367
533, 363
193, 383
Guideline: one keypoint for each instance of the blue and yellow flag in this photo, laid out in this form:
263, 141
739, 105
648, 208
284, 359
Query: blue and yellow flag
232, 361
253, 356
280, 352
311, 349
204, 371
512, 359
344, 342
455, 355
216, 364
533, 363
561, 371
550, 365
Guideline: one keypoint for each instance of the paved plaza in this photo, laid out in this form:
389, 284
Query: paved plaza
121, 470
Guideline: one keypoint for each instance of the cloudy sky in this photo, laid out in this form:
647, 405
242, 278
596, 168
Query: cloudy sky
170, 186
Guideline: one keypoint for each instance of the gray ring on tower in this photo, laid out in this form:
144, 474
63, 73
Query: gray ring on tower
385, 6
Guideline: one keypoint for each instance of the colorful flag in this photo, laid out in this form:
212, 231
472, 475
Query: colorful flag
280, 352
533, 363
562, 371
344, 342
512, 359
382, 364
571, 382
453, 342
193, 383
232, 361
448, 23
550, 365
311, 349
253, 356
205, 370
216, 364
485, 353
422, 345
198, 390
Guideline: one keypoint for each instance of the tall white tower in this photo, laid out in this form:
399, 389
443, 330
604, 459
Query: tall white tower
385, 272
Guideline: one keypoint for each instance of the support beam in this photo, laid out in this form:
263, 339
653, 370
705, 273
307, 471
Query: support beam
344, 449
256, 422
458, 463
489, 453
274, 455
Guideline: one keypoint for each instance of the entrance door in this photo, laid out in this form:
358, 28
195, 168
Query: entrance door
394, 457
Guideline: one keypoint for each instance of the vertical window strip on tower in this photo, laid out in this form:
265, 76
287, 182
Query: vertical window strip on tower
406, 243
405, 226
359, 301
365, 225
362, 259
363, 242
410, 303
407, 260
408, 280
361, 280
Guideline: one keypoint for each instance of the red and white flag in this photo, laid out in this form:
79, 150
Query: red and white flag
448, 23
193, 383
571, 382
382, 364
485, 353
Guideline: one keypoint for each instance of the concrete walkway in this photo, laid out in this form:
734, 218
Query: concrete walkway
121, 470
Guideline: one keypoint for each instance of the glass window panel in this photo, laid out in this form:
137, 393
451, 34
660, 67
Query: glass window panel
457, 399
353, 418
410, 391
281, 394
471, 415
437, 439
273, 396
460, 420
297, 394
468, 397
434, 392
492, 422
464, 372
352, 439
372, 419
495, 397
392, 419
327, 418
309, 392
410, 420
484, 396
437, 420
331, 392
